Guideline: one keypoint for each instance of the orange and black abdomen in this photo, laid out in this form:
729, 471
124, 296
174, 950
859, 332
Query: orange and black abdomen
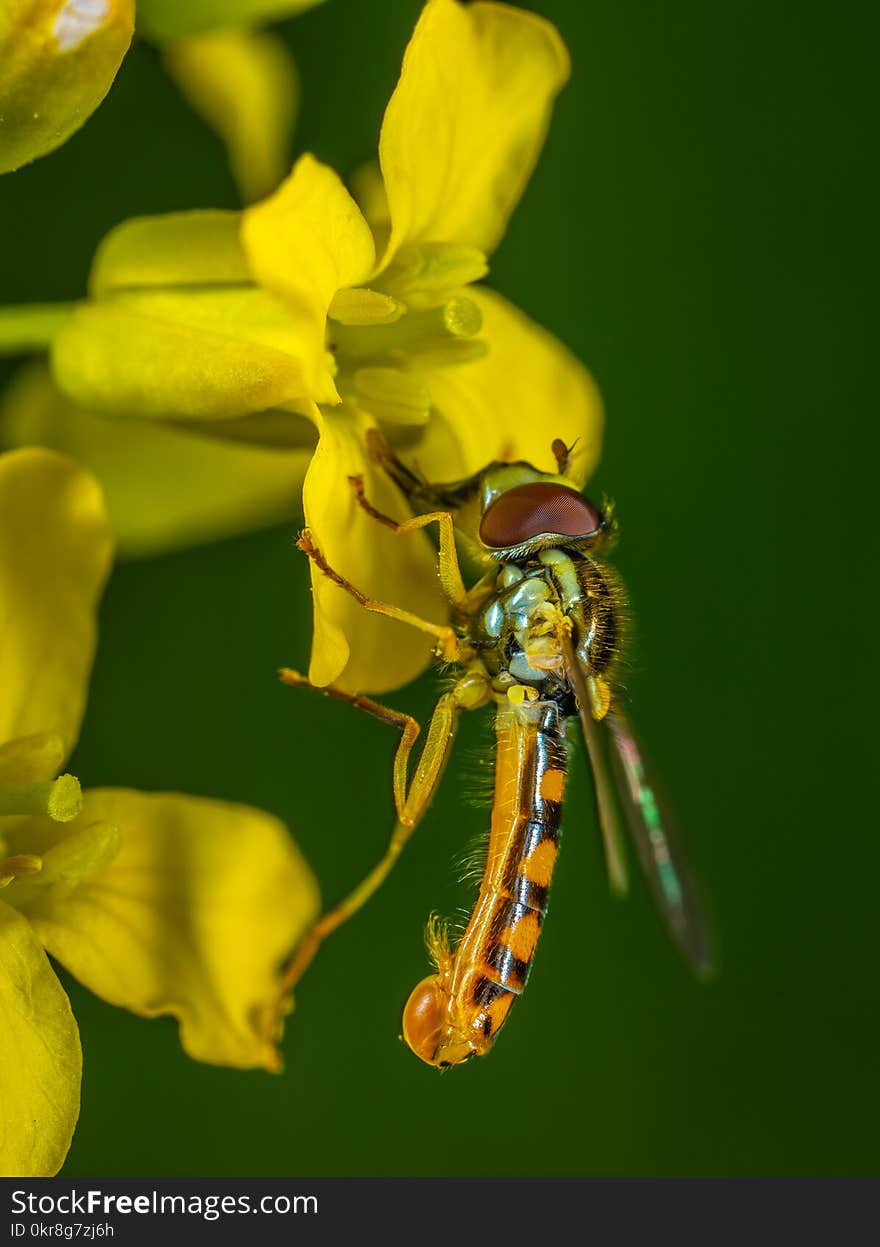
526, 817
469, 998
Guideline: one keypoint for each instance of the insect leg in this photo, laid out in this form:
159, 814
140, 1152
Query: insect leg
450, 572
445, 636
417, 798
409, 728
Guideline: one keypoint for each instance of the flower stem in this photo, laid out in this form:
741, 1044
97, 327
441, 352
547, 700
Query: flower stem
31, 326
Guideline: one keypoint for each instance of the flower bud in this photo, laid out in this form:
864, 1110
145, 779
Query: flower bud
58, 60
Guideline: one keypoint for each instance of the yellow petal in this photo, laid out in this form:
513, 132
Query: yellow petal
41, 1065
368, 188
352, 647
190, 355
244, 84
511, 403
305, 242
165, 488
55, 550
467, 121
30, 758
192, 917
59, 58
169, 19
173, 249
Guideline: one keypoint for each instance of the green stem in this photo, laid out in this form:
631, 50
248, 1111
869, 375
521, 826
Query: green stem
31, 326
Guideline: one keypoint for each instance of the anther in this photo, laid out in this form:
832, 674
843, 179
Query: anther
360, 306
60, 798
392, 396
461, 317
419, 271
19, 865
458, 317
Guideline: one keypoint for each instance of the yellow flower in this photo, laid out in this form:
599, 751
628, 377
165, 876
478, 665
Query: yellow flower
162, 903
165, 486
58, 59
241, 81
309, 313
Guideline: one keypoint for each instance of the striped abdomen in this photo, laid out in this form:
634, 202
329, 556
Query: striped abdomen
457, 1012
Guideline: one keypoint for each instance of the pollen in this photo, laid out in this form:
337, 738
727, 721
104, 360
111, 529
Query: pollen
60, 798
414, 317
65, 800
462, 318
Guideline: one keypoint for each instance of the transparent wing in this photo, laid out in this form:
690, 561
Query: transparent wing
660, 853
603, 780
622, 784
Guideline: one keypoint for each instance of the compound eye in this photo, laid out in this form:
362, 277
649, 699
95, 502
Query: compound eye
528, 511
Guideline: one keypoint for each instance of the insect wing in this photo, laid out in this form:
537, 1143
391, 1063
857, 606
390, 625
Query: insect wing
604, 783
657, 844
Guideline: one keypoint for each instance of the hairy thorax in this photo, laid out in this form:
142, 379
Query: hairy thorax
517, 632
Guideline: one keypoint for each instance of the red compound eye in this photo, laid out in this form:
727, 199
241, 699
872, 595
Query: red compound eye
527, 511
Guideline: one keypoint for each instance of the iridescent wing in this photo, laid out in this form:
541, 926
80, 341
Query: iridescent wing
623, 782
657, 844
603, 781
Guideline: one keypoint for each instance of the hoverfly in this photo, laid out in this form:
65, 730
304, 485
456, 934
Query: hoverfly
538, 638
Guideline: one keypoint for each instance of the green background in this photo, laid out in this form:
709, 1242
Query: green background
698, 231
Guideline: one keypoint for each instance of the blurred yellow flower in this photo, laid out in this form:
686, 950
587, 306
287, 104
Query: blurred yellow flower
242, 81
312, 314
58, 59
162, 903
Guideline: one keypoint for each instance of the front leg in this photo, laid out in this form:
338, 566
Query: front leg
448, 644
450, 571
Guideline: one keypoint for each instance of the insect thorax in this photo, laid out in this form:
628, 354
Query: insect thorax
516, 630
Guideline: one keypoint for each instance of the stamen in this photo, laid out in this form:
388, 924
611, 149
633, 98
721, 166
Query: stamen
441, 354
360, 306
80, 854
458, 318
420, 272
21, 864
77, 857
60, 798
461, 317
392, 395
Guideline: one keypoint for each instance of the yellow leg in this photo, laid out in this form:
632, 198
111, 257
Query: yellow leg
412, 799
450, 571
447, 641
408, 726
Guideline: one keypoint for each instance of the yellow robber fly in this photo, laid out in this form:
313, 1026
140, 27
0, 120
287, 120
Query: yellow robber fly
538, 638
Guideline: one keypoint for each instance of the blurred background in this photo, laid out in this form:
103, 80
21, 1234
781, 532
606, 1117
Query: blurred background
698, 231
